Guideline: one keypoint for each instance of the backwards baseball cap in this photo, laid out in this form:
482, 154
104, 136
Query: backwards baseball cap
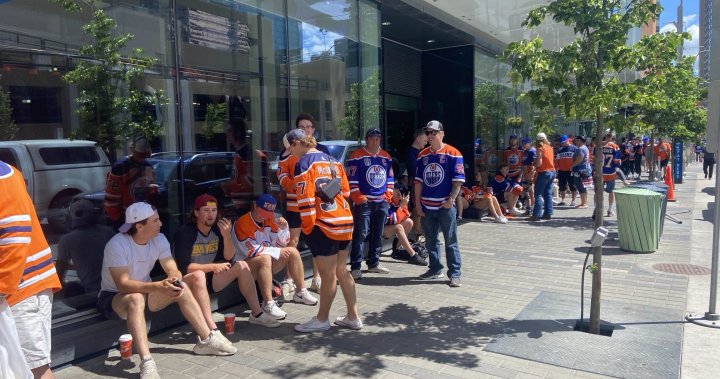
513, 136
373, 132
205, 200
290, 137
581, 138
563, 138
82, 213
540, 136
526, 140
646, 139
135, 213
434, 125
266, 205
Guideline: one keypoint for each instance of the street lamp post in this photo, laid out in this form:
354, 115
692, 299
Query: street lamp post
711, 318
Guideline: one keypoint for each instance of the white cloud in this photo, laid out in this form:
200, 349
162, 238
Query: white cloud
689, 18
692, 47
668, 28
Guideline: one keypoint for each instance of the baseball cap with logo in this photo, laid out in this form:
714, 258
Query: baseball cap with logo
136, 212
434, 125
266, 205
290, 137
563, 138
205, 200
373, 132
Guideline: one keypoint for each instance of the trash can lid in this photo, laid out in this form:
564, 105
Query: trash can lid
638, 192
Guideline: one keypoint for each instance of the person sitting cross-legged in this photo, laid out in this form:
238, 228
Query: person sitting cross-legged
399, 224
261, 241
126, 288
506, 190
205, 244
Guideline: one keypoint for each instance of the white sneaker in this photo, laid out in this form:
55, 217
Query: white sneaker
273, 310
213, 346
216, 334
378, 269
501, 220
305, 297
148, 370
344, 321
264, 319
314, 325
315, 284
356, 274
516, 212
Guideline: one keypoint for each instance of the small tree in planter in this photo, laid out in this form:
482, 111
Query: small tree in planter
215, 117
8, 129
110, 106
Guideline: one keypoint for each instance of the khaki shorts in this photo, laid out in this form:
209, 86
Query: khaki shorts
33, 318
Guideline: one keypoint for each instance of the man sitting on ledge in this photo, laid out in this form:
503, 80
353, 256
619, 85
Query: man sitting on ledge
126, 288
261, 241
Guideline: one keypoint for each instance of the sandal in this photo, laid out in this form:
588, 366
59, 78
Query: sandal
581, 207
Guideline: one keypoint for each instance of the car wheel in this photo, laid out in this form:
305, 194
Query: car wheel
58, 215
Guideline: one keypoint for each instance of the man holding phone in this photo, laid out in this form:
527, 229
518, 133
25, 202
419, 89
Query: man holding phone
126, 287
204, 244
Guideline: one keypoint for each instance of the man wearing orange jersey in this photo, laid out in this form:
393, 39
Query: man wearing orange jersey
662, 152
16, 218
611, 162
31, 302
261, 241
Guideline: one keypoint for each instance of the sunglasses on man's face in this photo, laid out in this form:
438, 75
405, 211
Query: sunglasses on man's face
431, 132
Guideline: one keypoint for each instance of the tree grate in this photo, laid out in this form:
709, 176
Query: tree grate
682, 268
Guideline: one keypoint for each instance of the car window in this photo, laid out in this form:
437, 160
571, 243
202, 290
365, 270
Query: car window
69, 155
335, 150
7, 156
163, 170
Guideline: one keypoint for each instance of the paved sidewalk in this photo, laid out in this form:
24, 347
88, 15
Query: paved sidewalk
425, 329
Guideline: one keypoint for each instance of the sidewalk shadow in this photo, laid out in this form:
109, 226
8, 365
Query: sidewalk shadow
709, 190
709, 213
447, 335
576, 223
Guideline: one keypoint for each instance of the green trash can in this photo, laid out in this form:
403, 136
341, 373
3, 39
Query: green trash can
638, 218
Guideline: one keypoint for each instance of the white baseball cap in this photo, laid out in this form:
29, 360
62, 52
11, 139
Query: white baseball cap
135, 213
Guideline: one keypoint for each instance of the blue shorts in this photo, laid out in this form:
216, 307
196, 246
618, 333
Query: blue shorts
609, 186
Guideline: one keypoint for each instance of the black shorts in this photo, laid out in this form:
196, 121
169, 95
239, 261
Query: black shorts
578, 181
208, 282
322, 246
565, 180
663, 163
104, 304
293, 219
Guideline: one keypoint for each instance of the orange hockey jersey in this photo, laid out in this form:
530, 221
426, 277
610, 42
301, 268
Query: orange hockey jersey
286, 177
334, 218
26, 262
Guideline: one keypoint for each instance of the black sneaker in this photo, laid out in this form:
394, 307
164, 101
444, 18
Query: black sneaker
546, 217
418, 260
430, 275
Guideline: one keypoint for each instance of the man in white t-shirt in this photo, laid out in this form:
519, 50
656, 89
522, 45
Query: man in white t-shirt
126, 287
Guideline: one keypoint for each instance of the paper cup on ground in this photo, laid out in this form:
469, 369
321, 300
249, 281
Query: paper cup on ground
230, 323
125, 345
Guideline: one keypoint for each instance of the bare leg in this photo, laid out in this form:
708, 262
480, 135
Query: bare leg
43, 372
131, 307
328, 287
399, 231
188, 306
347, 285
261, 268
294, 267
240, 272
198, 286
462, 204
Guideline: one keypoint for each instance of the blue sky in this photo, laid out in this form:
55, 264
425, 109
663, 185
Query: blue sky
691, 18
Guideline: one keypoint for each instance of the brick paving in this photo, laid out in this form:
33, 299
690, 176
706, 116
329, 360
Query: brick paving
419, 329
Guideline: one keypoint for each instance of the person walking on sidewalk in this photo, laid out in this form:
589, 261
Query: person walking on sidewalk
126, 288
371, 181
327, 226
205, 244
545, 166
439, 175
708, 163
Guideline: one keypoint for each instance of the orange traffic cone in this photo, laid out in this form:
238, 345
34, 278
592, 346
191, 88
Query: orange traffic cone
670, 184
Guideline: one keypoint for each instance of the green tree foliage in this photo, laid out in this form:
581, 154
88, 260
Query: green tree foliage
215, 117
111, 107
587, 78
8, 129
362, 111
490, 110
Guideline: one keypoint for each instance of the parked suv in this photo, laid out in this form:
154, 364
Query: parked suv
55, 171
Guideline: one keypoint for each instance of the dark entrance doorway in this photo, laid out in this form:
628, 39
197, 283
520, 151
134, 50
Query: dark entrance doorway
400, 127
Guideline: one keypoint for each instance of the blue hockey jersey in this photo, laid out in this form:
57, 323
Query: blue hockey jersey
437, 170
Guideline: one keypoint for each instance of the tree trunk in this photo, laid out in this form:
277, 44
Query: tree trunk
599, 207
653, 167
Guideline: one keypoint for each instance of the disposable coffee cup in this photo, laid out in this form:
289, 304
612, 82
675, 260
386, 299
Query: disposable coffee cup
230, 323
125, 345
